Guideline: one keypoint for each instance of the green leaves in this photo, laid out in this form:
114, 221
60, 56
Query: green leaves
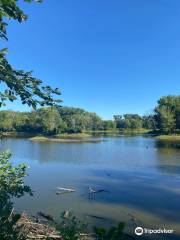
9, 9
20, 83
11, 185
167, 114
71, 227
23, 84
3, 52
11, 178
114, 233
29, 1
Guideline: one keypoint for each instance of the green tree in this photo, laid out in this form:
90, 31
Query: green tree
109, 125
11, 186
114, 233
148, 122
166, 120
34, 123
132, 121
21, 122
167, 114
119, 121
71, 228
50, 120
7, 120
18, 82
79, 120
96, 122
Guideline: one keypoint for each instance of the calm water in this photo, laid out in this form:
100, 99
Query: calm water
141, 177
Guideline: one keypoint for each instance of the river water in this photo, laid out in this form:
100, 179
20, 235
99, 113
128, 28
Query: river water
140, 176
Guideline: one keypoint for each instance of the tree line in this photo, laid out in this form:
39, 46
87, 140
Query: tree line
56, 120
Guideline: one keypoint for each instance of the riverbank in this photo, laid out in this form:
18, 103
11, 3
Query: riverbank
168, 137
79, 166
121, 131
73, 136
29, 228
88, 136
63, 136
65, 139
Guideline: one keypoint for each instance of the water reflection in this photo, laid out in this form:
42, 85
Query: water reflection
168, 157
149, 192
167, 144
116, 153
140, 175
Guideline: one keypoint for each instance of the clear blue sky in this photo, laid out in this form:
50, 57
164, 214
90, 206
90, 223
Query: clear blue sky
107, 56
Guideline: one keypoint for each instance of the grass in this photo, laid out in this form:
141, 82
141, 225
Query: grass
122, 131
39, 138
75, 137
136, 131
64, 139
103, 131
16, 134
172, 137
43, 137
72, 135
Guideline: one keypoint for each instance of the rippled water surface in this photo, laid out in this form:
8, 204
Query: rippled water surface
140, 176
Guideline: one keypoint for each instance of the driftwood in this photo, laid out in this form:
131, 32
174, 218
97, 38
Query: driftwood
39, 236
91, 190
62, 190
94, 216
66, 214
46, 216
31, 230
85, 236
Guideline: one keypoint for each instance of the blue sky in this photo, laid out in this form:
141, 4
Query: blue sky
107, 56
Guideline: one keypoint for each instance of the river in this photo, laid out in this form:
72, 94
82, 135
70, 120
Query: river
140, 176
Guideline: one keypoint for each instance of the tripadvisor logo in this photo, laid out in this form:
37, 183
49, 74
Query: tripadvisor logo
140, 231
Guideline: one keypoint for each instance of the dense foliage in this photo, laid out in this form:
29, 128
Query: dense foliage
167, 114
50, 120
11, 186
70, 227
114, 233
165, 118
55, 120
16, 83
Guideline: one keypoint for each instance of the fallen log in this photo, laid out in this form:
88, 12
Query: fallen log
46, 216
94, 216
91, 190
66, 189
31, 230
63, 190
